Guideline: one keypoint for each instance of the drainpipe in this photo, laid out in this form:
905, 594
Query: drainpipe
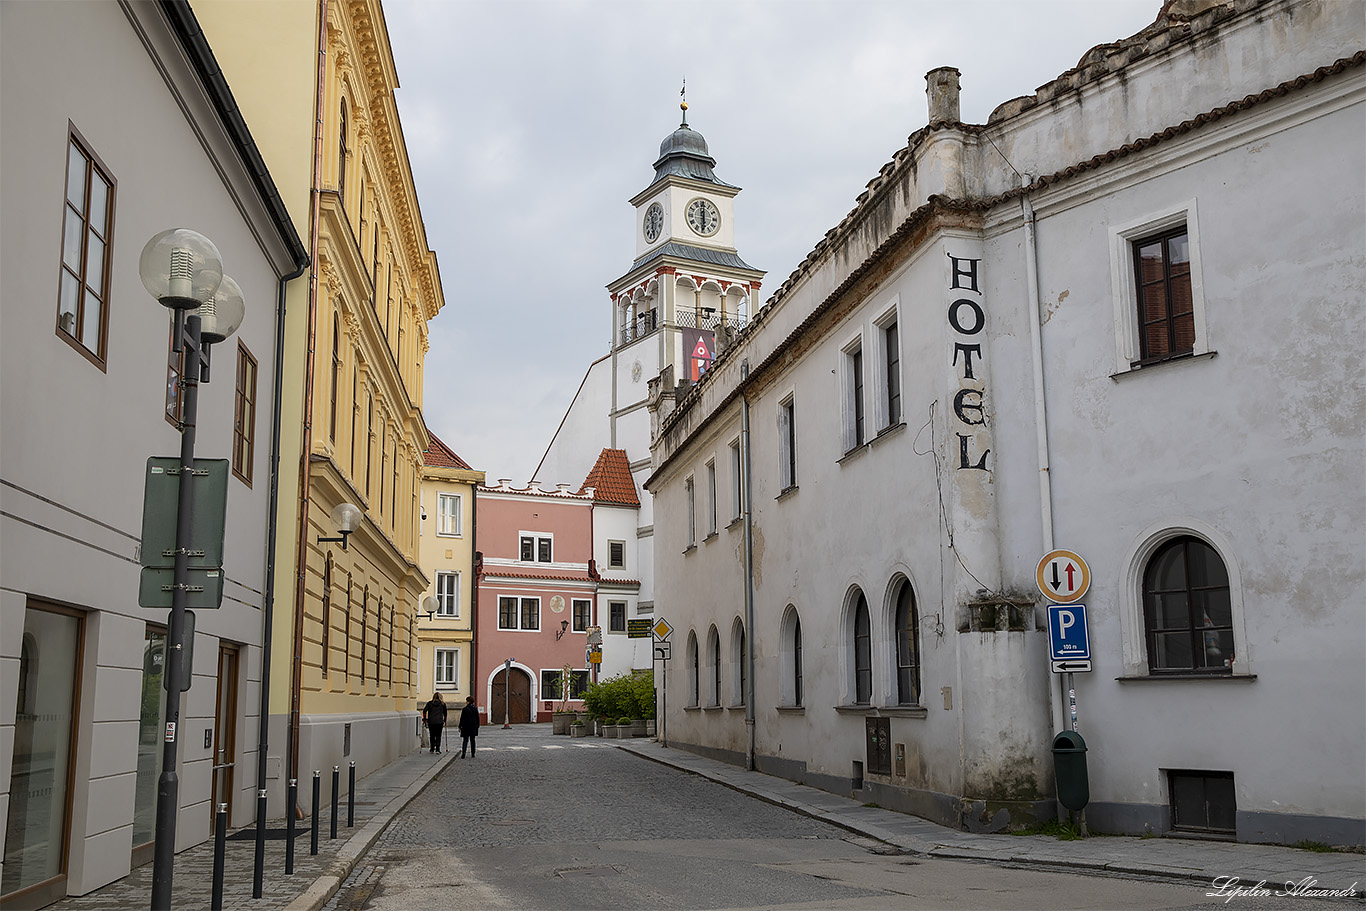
1040, 414
747, 494
474, 589
301, 539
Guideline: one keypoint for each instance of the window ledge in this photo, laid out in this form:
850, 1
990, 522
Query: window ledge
692, 708
904, 711
890, 430
790, 709
1139, 368
709, 538
736, 707
711, 708
786, 492
852, 454
735, 522
689, 549
1145, 678
857, 709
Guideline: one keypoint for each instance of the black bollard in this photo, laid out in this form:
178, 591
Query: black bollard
259, 875
336, 785
317, 799
220, 844
351, 798
291, 802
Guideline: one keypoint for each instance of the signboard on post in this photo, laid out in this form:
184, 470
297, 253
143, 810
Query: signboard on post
161, 499
1069, 641
663, 651
1063, 576
638, 629
662, 628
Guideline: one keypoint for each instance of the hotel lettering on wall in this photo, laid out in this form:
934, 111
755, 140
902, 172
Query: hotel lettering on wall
968, 320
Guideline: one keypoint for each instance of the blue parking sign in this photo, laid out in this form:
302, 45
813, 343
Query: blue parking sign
1067, 636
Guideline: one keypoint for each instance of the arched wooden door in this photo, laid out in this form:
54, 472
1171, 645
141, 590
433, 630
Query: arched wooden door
517, 702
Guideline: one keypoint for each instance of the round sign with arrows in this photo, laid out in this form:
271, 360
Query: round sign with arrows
1063, 576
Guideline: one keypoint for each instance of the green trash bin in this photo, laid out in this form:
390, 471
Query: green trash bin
1069, 765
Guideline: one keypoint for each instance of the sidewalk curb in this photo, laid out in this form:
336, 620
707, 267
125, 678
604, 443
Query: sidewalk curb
325, 886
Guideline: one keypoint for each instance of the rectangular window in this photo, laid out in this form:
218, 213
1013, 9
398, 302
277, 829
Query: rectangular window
447, 514
551, 684
448, 668
448, 594
583, 613
244, 416
891, 349
537, 548
711, 498
507, 613
1166, 310
543, 550
528, 549
616, 554
853, 398
618, 619
787, 443
531, 613
1203, 802
736, 500
692, 516
87, 239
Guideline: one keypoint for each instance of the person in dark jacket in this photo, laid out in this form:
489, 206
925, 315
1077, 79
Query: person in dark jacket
469, 726
434, 713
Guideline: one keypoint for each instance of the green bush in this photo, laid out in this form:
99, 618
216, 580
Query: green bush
624, 719
626, 695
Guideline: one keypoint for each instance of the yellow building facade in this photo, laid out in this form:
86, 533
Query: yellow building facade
315, 79
449, 536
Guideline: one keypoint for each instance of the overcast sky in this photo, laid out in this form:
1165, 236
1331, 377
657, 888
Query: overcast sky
530, 124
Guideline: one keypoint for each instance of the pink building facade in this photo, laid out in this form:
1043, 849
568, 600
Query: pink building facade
536, 599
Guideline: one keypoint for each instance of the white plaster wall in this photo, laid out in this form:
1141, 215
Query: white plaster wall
575, 447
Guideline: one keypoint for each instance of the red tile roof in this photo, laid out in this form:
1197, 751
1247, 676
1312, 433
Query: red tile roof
504, 572
440, 455
611, 480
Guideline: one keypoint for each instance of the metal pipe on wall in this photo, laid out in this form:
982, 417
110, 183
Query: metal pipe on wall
746, 488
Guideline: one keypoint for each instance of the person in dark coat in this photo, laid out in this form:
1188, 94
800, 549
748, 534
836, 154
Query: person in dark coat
434, 713
469, 726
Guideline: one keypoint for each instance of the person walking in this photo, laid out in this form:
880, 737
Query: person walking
469, 726
434, 714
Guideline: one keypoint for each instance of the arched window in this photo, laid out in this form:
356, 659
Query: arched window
341, 153
336, 372
863, 652
797, 658
692, 669
713, 666
1187, 611
737, 660
790, 659
907, 626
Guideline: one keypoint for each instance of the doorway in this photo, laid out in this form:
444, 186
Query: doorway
224, 732
514, 697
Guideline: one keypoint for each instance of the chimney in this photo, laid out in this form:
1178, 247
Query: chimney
941, 85
504, 482
562, 488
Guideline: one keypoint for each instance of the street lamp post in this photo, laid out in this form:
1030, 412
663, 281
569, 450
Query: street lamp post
507, 693
184, 272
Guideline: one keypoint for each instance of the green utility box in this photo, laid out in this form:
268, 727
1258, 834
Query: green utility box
1069, 764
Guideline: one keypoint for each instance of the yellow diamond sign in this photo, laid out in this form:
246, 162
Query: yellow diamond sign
662, 628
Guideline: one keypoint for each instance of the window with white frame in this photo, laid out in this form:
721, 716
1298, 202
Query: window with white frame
617, 616
536, 548
1158, 289
891, 371
448, 668
736, 479
519, 613
853, 412
787, 443
448, 514
692, 512
711, 499
551, 684
583, 614
448, 594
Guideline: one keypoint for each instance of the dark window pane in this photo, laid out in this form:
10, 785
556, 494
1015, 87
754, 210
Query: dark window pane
1221, 803
1150, 262
531, 613
1172, 650
1157, 341
1169, 611
1214, 608
1183, 334
543, 555
1168, 569
1179, 250
1206, 569
528, 549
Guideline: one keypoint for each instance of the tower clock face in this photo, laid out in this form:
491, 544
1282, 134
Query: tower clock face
703, 217
654, 222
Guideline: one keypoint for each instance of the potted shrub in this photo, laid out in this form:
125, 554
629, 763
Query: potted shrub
563, 717
624, 727
578, 729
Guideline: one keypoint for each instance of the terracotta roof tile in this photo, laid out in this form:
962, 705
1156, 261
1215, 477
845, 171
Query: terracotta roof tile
611, 480
439, 455
503, 572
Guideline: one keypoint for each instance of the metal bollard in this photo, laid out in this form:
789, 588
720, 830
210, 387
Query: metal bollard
351, 798
291, 801
317, 799
220, 844
259, 874
336, 785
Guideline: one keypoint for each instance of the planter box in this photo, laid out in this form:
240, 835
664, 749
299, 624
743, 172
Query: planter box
634, 729
578, 730
560, 722
649, 727
611, 731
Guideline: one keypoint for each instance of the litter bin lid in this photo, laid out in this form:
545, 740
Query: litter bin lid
1069, 741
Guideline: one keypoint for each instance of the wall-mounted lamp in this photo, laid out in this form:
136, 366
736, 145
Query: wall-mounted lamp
346, 518
564, 627
429, 605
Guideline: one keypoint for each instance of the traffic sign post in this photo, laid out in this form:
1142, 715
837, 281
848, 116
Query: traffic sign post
663, 651
1063, 576
1069, 641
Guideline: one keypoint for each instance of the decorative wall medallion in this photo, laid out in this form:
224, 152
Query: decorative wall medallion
635, 372
557, 604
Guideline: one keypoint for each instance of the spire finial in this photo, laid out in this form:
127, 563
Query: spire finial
684, 103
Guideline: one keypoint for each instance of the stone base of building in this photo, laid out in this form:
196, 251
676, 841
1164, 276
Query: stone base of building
370, 740
1252, 826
